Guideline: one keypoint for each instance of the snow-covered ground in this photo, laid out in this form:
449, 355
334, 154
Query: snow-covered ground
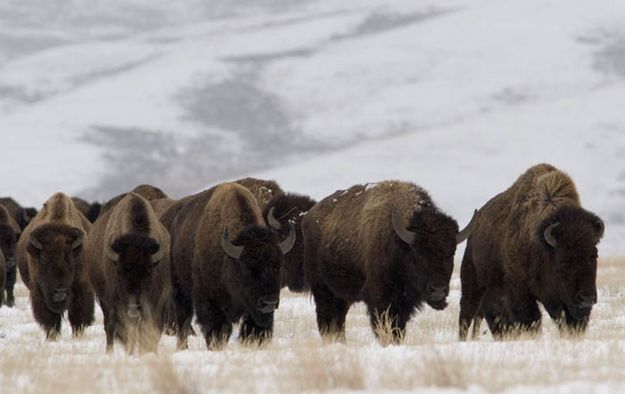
459, 96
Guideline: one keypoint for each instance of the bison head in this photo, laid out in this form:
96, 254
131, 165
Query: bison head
258, 257
280, 210
134, 256
570, 237
55, 251
431, 238
8, 241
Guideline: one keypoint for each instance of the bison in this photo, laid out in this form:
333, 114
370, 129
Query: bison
149, 192
386, 244
21, 215
532, 243
90, 210
128, 258
225, 265
9, 234
262, 189
51, 261
281, 210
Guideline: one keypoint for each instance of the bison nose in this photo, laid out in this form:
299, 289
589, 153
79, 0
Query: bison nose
437, 293
585, 299
268, 304
59, 294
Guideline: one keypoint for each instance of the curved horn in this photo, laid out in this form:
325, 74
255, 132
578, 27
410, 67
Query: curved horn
35, 242
405, 235
158, 255
272, 221
549, 238
111, 254
230, 249
465, 232
80, 235
289, 241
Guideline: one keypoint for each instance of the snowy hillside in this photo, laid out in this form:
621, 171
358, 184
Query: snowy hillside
458, 96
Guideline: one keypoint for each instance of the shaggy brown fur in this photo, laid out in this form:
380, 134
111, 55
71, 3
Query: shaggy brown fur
90, 211
128, 255
149, 192
50, 258
353, 253
161, 205
509, 266
262, 189
2, 274
21, 215
9, 233
291, 207
222, 289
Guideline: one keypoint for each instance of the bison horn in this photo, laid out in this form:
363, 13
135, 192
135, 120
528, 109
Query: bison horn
158, 255
111, 254
464, 234
549, 238
35, 242
272, 221
79, 238
405, 235
230, 249
289, 241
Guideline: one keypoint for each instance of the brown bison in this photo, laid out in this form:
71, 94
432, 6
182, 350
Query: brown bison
51, 261
2, 273
226, 265
386, 244
21, 215
149, 192
262, 189
532, 243
128, 256
89, 210
281, 210
9, 234
160, 205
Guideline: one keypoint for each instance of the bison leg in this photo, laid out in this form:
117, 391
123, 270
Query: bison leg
331, 313
9, 285
388, 322
252, 334
81, 308
525, 319
214, 323
48, 320
110, 325
472, 295
571, 326
184, 315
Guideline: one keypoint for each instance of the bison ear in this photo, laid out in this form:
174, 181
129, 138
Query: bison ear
34, 247
598, 225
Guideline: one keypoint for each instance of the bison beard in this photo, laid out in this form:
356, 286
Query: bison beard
532, 243
387, 245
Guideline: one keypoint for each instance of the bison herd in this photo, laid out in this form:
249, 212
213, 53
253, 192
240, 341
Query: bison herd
223, 255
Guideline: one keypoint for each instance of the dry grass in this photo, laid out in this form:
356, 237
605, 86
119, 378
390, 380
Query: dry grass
297, 360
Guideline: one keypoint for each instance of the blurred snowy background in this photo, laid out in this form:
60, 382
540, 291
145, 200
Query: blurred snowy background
458, 96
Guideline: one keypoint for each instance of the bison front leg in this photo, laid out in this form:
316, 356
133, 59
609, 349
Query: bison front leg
570, 326
184, 314
48, 320
214, 323
81, 308
388, 323
110, 325
472, 295
11, 278
253, 334
331, 313
525, 317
